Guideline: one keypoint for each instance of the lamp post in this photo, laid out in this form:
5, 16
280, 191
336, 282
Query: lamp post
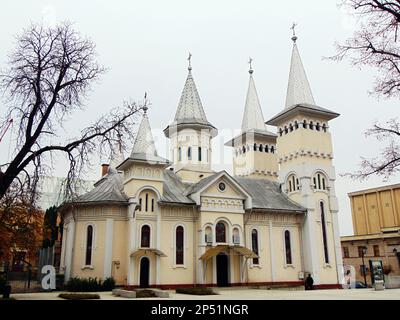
364, 251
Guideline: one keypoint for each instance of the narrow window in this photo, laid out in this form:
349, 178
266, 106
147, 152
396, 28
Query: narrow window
286, 129
140, 204
89, 245
297, 184
266, 148
315, 182
290, 186
376, 251
305, 124
318, 127
244, 149
324, 235
296, 125
146, 204
346, 252
288, 248
272, 149
291, 127
319, 181
254, 244
260, 148
145, 237
179, 244
220, 232
152, 205
324, 127
280, 132
199, 154
180, 154
323, 184
189, 153
255, 147
311, 125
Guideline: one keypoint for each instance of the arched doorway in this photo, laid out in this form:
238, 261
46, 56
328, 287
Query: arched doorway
144, 272
222, 270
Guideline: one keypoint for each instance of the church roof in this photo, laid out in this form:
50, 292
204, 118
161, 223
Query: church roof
109, 189
267, 195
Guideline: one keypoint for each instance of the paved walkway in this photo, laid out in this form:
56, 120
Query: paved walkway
250, 294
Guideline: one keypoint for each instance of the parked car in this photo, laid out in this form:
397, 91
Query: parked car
360, 285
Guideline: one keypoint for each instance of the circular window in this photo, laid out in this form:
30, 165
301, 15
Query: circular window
222, 186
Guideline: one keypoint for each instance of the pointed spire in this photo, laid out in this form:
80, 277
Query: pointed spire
144, 142
253, 117
299, 90
190, 108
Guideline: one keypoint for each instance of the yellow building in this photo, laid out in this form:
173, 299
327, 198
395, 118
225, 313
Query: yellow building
376, 221
153, 222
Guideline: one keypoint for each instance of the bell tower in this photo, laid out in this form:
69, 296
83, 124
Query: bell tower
190, 135
254, 150
307, 173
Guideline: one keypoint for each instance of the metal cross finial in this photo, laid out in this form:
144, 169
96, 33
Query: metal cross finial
294, 37
190, 61
145, 108
250, 61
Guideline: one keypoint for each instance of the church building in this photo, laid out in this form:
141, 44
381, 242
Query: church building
167, 223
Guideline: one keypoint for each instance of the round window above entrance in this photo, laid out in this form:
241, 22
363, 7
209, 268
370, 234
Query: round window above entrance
221, 186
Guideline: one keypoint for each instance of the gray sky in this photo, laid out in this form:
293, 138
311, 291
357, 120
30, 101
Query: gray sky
145, 46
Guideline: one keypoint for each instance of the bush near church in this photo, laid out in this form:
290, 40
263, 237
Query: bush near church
196, 291
90, 284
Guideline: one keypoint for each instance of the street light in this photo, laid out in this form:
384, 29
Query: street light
364, 251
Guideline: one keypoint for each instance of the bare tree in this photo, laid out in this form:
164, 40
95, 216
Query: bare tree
49, 74
375, 44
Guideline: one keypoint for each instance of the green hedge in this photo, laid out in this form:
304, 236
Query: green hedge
200, 291
79, 296
90, 285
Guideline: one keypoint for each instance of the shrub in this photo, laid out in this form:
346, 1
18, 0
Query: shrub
200, 291
90, 285
2, 284
79, 296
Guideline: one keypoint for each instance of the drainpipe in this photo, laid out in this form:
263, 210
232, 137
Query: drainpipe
194, 249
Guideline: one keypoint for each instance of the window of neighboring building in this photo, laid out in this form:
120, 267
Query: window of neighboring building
254, 245
89, 245
376, 251
145, 237
179, 234
220, 231
288, 247
324, 234
346, 252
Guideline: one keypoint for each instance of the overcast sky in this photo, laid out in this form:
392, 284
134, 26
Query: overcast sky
145, 45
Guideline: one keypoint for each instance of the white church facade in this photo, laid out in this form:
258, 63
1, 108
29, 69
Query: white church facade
153, 222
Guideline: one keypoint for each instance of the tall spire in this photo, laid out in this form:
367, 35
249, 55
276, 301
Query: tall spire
298, 90
144, 142
253, 117
190, 108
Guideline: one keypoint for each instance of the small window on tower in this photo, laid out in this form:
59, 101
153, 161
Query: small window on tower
266, 148
272, 149
189, 153
286, 129
291, 127
318, 127
311, 125
296, 125
324, 127
320, 182
199, 154
260, 148
305, 124
255, 147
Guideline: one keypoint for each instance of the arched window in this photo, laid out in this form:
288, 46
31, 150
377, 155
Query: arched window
199, 154
146, 206
280, 132
145, 237
244, 149
179, 154
286, 129
89, 245
311, 125
266, 148
255, 147
208, 235
319, 182
290, 127
288, 247
189, 153
236, 236
324, 235
220, 231
254, 245
152, 205
272, 149
324, 127
179, 246
305, 124
318, 127
293, 183
296, 125
260, 148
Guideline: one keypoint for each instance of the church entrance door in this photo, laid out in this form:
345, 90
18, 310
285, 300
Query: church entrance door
222, 270
144, 272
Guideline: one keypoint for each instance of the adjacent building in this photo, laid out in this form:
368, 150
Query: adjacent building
376, 239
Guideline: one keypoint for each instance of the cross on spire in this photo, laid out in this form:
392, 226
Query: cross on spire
250, 61
190, 62
294, 37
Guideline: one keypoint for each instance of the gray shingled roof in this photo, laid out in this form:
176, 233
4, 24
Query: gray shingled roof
174, 189
108, 189
267, 195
